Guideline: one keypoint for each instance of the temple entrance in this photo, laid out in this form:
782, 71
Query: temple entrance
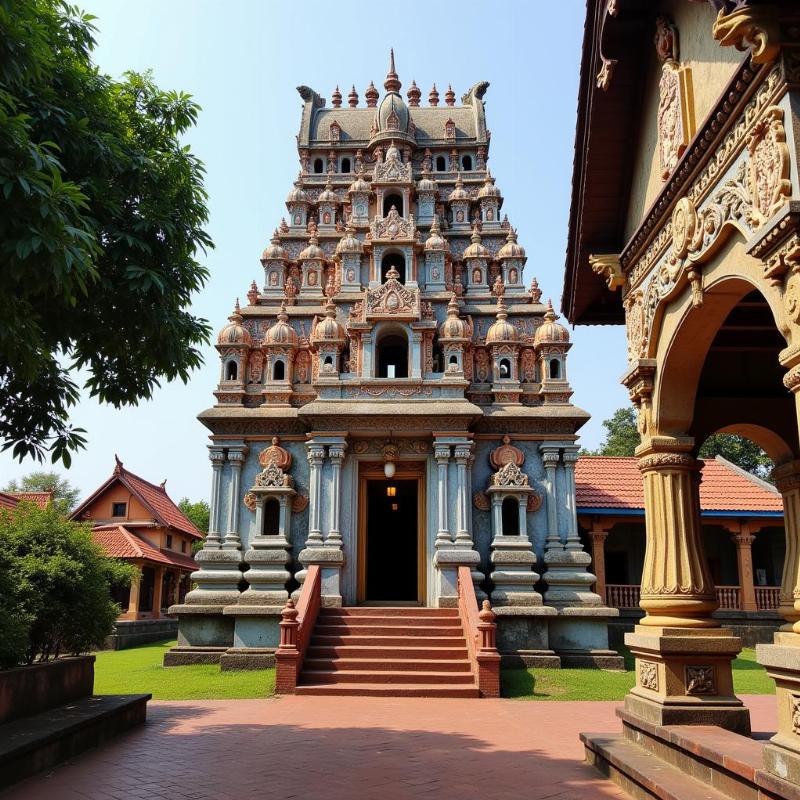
390, 543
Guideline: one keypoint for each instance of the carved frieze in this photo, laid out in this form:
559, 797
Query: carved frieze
648, 675
392, 300
674, 123
510, 476
393, 227
769, 166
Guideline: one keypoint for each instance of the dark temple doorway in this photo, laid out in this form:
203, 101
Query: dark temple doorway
392, 543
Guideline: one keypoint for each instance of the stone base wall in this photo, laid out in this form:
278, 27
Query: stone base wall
132, 633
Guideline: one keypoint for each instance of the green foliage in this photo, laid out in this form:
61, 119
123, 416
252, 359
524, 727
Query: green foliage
199, 513
102, 211
742, 452
65, 495
61, 582
622, 437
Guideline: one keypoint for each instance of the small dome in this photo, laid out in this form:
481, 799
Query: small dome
281, 333
435, 240
453, 327
313, 251
297, 195
328, 329
502, 330
511, 249
359, 184
476, 249
426, 183
393, 114
274, 251
489, 189
234, 332
349, 243
551, 332
327, 195
459, 192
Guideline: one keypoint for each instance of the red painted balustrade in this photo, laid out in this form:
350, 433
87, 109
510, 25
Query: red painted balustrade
480, 632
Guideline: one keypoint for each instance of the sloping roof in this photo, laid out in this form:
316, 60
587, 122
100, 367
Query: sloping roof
119, 542
12, 499
615, 483
155, 498
8, 501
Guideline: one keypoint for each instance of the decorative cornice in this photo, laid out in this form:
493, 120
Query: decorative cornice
750, 28
608, 267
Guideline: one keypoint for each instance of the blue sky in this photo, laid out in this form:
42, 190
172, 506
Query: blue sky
242, 61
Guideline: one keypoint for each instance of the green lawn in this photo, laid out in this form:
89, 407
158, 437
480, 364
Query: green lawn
749, 677
140, 670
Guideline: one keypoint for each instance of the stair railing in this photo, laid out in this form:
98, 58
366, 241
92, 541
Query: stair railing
480, 632
296, 626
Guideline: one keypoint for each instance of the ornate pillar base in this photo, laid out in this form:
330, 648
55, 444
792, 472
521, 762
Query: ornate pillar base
447, 561
513, 576
268, 558
569, 582
782, 662
683, 677
218, 579
331, 561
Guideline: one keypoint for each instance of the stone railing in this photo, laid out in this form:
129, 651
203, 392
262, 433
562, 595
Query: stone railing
622, 595
480, 632
768, 598
296, 627
728, 597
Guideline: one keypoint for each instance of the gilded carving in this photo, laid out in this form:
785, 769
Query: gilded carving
674, 122
769, 166
791, 297
748, 28
635, 325
700, 680
684, 225
608, 267
648, 675
795, 715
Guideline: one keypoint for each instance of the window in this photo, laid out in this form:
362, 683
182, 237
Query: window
231, 371
279, 371
183, 545
441, 164
169, 541
555, 369
319, 167
510, 517
390, 200
505, 368
454, 360
466, 163
393, 356
328, 361
272, 515
345, 165
119, 509
395, 260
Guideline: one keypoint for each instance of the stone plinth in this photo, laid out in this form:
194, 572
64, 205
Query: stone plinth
579, 634
522, 636
513, 576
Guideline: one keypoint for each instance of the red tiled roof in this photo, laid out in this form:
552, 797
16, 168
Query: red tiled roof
154, 497
610, 482
8, 501
119, 542
41, 499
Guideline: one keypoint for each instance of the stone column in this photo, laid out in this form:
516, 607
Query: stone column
158, 591
316, 457
217, 456
550, 459
743, 539
599, 534
463, 536
336, 455
133, 597
782, 659
441, 453
573, 539
416, 356
232, 540
683, 657
176, 588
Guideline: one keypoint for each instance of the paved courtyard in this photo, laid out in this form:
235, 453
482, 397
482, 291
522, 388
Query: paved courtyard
348, 749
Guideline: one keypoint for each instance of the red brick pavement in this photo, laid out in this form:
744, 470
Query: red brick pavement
348, 748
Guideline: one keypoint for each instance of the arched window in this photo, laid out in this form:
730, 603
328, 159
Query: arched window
390, 200
453, 360
441, 164
555, 369
319, 166
279, 371
505, 368
231, 371
272, 517
345, 165
392, 356
396, 260
466, 163
510, 517
328, 361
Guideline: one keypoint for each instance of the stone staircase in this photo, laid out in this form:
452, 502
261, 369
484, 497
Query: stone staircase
388, 651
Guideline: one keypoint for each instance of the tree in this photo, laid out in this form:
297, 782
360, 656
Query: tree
62, 582
198, 512
622, 439
102, 211
65, 495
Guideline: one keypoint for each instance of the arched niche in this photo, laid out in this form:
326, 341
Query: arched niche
441, 164
396, 260
319, 166
231, 370
509, 512
392, 199
392, 353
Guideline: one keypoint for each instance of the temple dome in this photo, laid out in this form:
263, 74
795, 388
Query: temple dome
435, 240
349, 243
426, 183
476, 249
234, 332
281, 333
502, 330
328, 329
313, 251
459, 192
511, 249
359, 184
453, 327
551, 332
297, 195
327, 195
274, 251
489, 189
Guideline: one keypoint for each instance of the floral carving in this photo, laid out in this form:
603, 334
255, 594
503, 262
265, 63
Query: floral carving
510, 475
393, 170
393, 226
534, 502
648, 675
674, 129
250, 501
795, 715
700, 680
635, 325
506, 453
299, 503
273, 477
481, 501
769, 166
277, 454
392, 299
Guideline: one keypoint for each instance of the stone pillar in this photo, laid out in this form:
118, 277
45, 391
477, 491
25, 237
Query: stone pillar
316, 457
463, 536
782, 659
336, 455
550, 459
217, 456
442, 455
599, 534
573, 539
133, 597
176, 588
158, 591
236, 459
743, 539
683, 657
